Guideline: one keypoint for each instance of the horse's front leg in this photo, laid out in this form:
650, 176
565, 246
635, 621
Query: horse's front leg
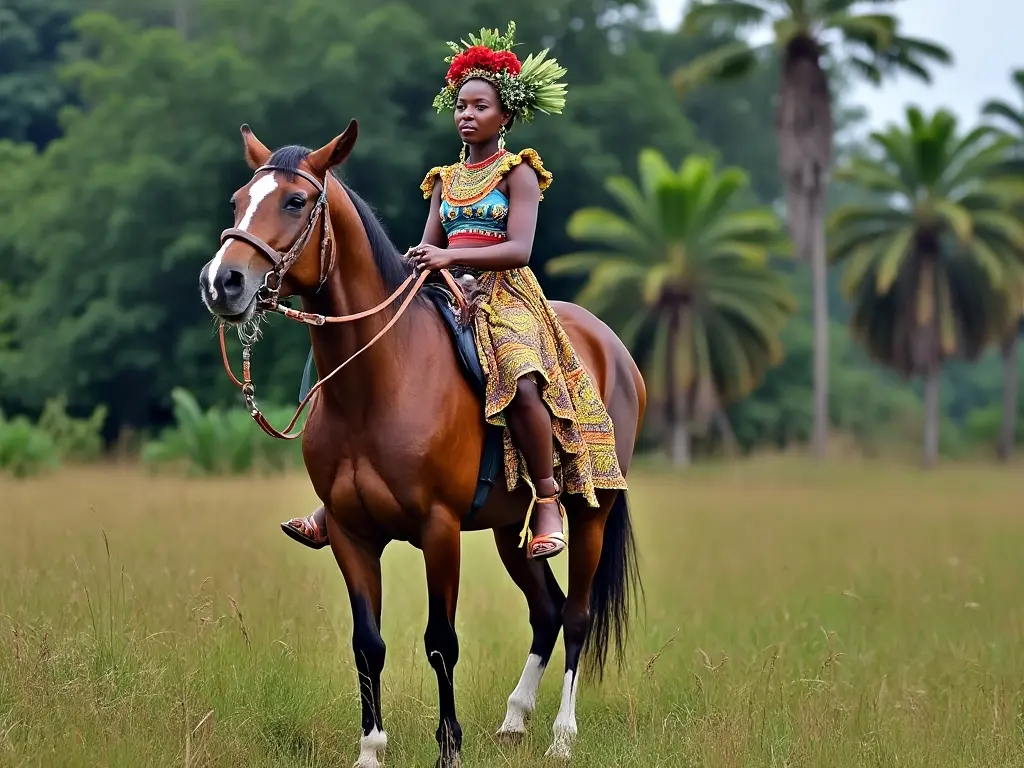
360, 565
441, 553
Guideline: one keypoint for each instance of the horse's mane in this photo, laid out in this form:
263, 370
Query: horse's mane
392, 267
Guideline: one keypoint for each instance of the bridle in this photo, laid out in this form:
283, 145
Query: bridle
282, 262
267, 298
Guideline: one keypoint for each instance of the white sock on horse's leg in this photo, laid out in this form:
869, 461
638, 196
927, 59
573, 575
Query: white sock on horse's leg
371, 749
523, 699
564, 729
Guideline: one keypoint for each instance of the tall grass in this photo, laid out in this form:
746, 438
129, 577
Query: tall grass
862, 615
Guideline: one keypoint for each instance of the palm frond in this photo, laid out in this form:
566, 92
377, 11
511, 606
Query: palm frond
733, 15
612, 285
859, 263
701, 258
758, 227
653, 169
928, 270
632, 200
856, 214
913, 56
866, 69
731, 60
892, 258
580, 263
873, 176
874, 31
957, 218
1001, 109
597, 225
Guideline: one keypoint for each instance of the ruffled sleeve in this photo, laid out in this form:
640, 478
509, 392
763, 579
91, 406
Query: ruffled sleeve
531, 158
427, 187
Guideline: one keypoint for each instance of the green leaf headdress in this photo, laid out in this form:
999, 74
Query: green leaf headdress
523, 87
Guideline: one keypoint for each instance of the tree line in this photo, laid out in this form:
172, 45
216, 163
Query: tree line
119, 148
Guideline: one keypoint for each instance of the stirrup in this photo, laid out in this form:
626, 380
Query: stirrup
305, 531
547, 544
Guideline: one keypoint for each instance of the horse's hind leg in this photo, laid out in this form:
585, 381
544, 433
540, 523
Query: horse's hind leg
545, 600
360, 565
586, 531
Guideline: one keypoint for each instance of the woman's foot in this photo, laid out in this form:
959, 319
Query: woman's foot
311, 531
548, 537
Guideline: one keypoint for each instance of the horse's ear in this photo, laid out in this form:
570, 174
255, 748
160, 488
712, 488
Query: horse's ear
255, 153
335, 152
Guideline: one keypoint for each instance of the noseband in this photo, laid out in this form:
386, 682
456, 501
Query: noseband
282, 262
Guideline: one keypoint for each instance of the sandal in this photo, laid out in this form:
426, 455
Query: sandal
545, 545
305, 531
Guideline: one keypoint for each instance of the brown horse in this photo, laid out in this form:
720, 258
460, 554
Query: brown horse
393, 441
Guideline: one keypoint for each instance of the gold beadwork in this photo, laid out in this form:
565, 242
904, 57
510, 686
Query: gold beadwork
471, 182
504, 163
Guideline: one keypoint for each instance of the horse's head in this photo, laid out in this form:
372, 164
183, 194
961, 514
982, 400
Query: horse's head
282, 235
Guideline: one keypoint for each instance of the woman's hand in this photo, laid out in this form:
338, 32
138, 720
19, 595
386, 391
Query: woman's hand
426, 256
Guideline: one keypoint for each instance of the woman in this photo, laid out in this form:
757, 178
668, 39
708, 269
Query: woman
482, 220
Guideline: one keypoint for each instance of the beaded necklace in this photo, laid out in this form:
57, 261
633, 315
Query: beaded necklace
471, 181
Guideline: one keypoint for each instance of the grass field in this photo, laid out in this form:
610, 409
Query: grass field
860, 615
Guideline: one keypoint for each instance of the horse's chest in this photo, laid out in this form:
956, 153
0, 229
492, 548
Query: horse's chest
379, 487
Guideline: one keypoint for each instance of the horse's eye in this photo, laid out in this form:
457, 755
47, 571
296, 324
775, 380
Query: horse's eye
295, 203
231, 202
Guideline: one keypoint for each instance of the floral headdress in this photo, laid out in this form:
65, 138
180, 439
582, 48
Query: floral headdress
523, 87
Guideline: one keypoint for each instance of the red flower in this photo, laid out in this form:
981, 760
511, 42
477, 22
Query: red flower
508, 60
480, 57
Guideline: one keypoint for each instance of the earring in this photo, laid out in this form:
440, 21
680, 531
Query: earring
501, 138
462, 153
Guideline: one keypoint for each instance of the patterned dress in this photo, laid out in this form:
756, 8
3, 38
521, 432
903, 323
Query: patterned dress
518, 334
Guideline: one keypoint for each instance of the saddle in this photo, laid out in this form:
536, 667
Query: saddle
456, 315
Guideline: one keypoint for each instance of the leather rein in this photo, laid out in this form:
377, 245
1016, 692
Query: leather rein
268, 298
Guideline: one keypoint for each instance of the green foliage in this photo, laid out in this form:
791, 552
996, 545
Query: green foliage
108, 226
25, 449
1010, 117
982, 425
684, 277
927, 265
221, 442
75, 439
872, 43
119, 147
28, 448
31, 92
866, 404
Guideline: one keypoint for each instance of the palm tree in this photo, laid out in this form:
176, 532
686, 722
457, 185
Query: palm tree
684, 277
928, 263
1013, 120
807, 34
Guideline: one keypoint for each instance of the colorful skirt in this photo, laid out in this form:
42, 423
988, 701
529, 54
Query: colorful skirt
518, 334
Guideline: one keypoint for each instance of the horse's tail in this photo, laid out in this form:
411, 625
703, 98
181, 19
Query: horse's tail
615, 588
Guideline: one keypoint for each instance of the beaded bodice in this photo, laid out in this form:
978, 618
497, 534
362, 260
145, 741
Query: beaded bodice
472, 206
485, 220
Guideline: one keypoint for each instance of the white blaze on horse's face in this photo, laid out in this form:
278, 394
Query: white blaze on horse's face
259, 192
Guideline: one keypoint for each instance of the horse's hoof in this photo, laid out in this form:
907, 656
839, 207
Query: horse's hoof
510, 738
559, 750
449, 762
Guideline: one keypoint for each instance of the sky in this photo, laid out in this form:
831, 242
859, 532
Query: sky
987, 42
